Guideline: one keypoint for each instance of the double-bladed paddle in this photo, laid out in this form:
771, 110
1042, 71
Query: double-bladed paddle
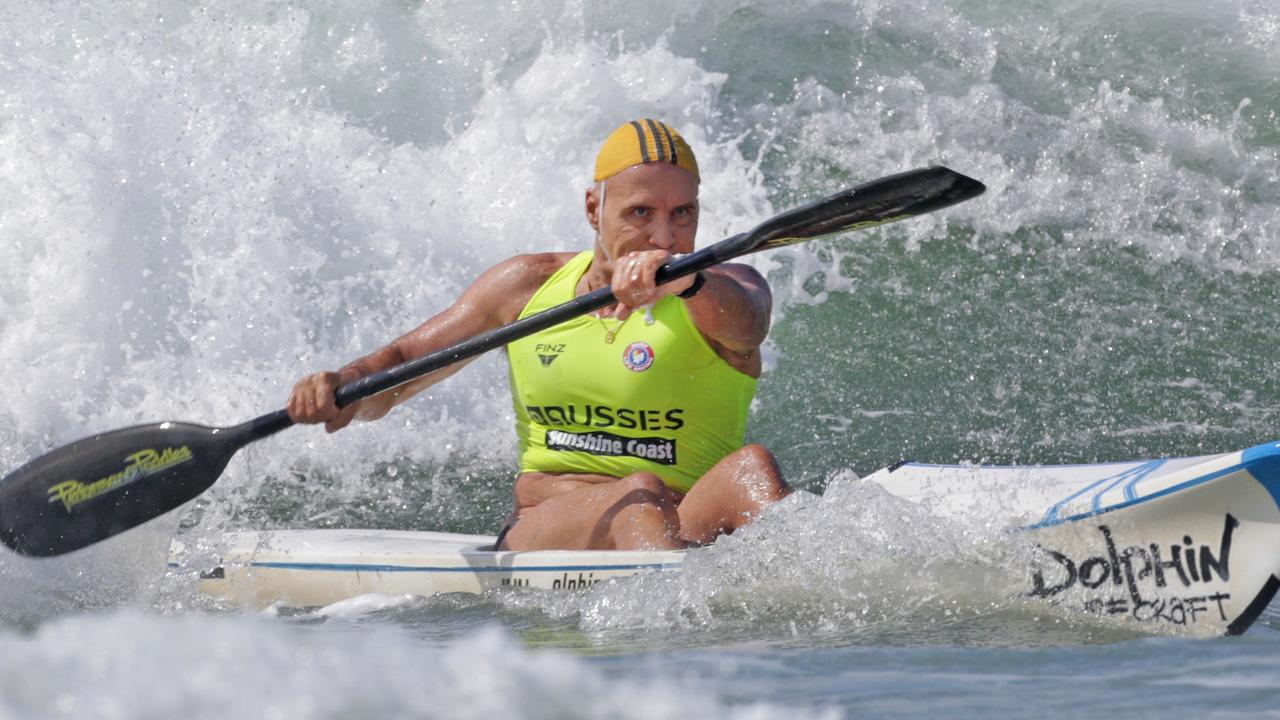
94, 488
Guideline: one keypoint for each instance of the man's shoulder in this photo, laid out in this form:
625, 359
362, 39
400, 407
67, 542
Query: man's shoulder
539, 265
529, 271
511, 283
745, 274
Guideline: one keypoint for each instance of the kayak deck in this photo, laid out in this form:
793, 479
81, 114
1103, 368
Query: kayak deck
309, 568
1046, 495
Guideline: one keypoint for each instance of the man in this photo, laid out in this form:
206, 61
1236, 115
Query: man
631, 420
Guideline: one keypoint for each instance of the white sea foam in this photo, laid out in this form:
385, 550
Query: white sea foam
109, 667
364, 605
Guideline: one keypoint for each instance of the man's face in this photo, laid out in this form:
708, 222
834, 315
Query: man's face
647, 207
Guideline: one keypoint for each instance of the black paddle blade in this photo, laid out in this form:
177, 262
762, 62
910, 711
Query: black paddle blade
99, 486
892, 198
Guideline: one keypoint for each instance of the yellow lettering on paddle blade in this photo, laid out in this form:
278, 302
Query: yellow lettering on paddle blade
141, 464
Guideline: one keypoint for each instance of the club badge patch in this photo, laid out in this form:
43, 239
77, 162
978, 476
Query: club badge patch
638, 357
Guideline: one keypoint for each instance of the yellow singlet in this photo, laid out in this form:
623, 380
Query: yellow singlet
656, 398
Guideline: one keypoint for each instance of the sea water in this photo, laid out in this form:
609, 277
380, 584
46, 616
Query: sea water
201, 203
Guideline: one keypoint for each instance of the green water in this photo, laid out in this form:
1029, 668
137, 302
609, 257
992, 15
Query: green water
1025, 350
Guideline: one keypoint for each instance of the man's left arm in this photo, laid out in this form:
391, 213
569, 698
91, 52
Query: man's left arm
732, 307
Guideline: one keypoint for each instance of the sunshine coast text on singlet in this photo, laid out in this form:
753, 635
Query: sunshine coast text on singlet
657, 398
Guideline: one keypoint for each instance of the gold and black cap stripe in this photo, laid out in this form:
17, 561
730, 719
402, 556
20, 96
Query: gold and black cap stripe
643, 141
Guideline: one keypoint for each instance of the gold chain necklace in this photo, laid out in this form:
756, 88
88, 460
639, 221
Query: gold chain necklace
609, 335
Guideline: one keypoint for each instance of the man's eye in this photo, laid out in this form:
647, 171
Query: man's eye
641, 212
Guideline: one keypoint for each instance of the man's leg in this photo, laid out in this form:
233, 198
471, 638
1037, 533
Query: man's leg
634, 513
732, 492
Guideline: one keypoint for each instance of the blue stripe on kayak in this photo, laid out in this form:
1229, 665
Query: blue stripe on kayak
1051, 516
356, 567
1261, 461
1132, 476
1264, 462
1129, 492
972, 466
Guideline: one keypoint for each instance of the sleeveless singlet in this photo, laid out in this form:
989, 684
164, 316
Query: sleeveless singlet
657, 398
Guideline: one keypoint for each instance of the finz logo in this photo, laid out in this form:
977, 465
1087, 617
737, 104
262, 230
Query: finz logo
547, 352
141, 464
638, 357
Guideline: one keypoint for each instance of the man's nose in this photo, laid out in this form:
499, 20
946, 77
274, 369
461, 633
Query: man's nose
662, 234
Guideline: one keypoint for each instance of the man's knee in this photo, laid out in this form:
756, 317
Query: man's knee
645, 516
760, 471
758, 456
647, 487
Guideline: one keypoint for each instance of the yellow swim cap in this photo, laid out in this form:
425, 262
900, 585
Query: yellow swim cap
643, 141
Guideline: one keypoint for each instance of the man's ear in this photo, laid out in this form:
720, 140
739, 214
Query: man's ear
593, 208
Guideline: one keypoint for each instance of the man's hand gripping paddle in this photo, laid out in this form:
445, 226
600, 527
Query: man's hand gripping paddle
94, 488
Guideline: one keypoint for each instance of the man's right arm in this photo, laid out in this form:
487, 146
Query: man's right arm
494, 299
